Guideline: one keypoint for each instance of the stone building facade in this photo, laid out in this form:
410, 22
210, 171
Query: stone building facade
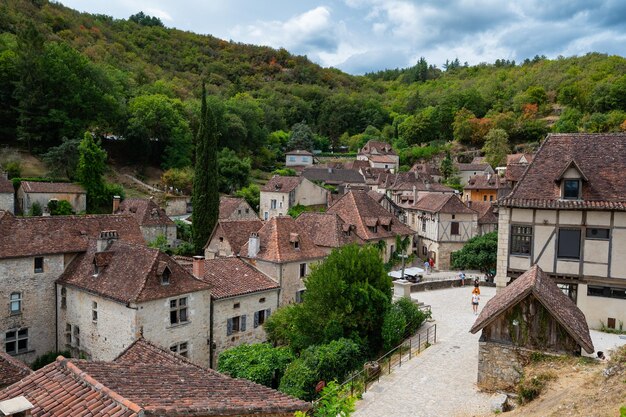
235, 208
228, 237
282, 193
7, 194
153, 220
42, 192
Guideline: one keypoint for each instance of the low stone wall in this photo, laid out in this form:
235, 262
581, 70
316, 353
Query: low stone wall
445, 283
500, 367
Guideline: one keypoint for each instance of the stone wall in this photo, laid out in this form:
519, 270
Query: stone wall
286, 275
446, 283
7, 202
150, 233
500, 367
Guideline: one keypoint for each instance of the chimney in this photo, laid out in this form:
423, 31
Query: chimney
198, 266
116, 203
106, 238
254, 245
18, 406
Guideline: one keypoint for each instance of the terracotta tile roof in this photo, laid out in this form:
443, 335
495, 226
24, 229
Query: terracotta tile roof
11, 370
33, 236
142, 351
279, 184
145, 211
376, 196
541, 286
129, 273
425, 168
515, 158
357, 165
374, 146
6, 186
472, 167
333, 176
327, 229
442, 203
514, 172
230, 277
236, 232
228, 205
52, 187
602, 159
382, 159
276, 246
62, 389
360, 210
484, 182
406, 181
485, 211
299, 152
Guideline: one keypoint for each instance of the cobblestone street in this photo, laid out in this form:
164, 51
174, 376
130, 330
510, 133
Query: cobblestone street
442, 380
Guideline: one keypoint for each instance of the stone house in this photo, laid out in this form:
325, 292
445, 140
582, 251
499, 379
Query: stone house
34, 252
327, 230
443, 224
567, 214
7, 194
228, 236
235, 208
487, 217
117, 292
285, 253
484, 188
408, 187
429, 169
342, 179
298, 158
242, 298
379, 155
466, 171
282, 193
11, 370
145, 380
152, 219
370, 222
530, 315
42, 192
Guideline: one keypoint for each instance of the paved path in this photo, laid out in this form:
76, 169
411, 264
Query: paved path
442, 380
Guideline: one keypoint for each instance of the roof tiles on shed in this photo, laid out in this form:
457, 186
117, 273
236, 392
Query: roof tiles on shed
52, 187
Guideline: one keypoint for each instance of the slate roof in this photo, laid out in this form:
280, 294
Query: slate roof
359, 209
541, 286
374, 146
11, 370
236, 232
229, 204
34, 236
472, 167
276, 237
129, 273
333, 176
602, 159
485, 212
326, 229
230, 277
145, 211
280, 184
442, 203
6, 186
52, 187
62, 389
484, 182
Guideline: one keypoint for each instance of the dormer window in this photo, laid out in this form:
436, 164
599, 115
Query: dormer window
165, 276
296, 245
96, 268
571, 189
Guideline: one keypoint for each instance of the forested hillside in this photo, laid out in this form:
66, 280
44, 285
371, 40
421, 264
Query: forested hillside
64, 72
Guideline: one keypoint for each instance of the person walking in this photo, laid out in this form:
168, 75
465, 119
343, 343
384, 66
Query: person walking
426, 266
462, 276
431, 263
475, 300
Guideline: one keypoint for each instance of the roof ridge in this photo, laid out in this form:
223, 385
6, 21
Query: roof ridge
87, 379
145, 276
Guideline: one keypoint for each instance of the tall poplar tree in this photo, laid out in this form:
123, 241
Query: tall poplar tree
206, 198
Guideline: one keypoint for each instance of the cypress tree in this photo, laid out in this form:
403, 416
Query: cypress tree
206, 198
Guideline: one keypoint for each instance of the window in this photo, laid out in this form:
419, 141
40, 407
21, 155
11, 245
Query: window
38, 265
571, 189
94, 311
569, 244
63, 297
521, 239
262, 300
454, 228
16, 341
266, 216
484, 198
165, 277
247, 211
178, 311
423, 225
15, 304
260, 317
96, 269
76, 336
608, 292
238, 211
305, 159
68, 334
292, 158
373, 229
600, 234
273, 204
235, 325
299, 296
453, 216
424, 250
280, 204
181, 349
236, 305
302, 270
571, 290
490, 198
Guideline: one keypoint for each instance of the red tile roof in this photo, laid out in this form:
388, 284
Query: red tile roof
539, 284
442, 203
34, 236
146, 212
229, 204
11, 370
236, 232
602, 159
279, 184
485, 211
484, 182
515, 158
374, 146
515, 171
6, 186
364, 213
230, 277
129, 273
52, 187
382, 159
142, 351
327, 229
276, 237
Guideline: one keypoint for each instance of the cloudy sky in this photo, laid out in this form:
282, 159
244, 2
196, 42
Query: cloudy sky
367, 35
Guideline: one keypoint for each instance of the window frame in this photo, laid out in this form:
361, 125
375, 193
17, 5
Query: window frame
18, 299
15, 340
591, 229
181, 349
165, 276
303, 268
177, 307
569, 240
513, 245
453, 226
37, 260
578, 189
94, 311
273, 204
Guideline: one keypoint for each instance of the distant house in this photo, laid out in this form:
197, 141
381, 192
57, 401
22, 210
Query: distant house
466, 171
531, 314
281, 193
327, 230
285, 252
145, 380
42, 192
429, 169
235, 208
298, 158
343, 179
7, 194
408, 187
487, 217
379, 155
152, 219
483, 188
228, 236
516, 164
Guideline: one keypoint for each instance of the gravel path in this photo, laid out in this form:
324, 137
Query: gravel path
442, 380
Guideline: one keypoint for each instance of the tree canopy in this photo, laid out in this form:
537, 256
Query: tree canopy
479, 252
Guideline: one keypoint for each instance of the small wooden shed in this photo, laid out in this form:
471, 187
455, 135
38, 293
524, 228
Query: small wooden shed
529, 315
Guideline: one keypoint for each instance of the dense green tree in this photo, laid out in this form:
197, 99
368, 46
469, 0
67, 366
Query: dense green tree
496, 147
462, 126
479, 252
62, 160
300, 138
90, 172
145, 20
234, 172
394, 325
446, 167
260, 363
252, 194
206, 199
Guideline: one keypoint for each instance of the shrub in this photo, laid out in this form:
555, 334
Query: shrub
260, 363
285, 172
299, 380
179, 178
13, 169
35, 209
394, 326
47, 358
412, 314
529, 388
60, 208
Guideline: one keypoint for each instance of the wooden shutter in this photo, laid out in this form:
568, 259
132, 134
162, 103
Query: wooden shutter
229, 327
256, 319
242, 321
